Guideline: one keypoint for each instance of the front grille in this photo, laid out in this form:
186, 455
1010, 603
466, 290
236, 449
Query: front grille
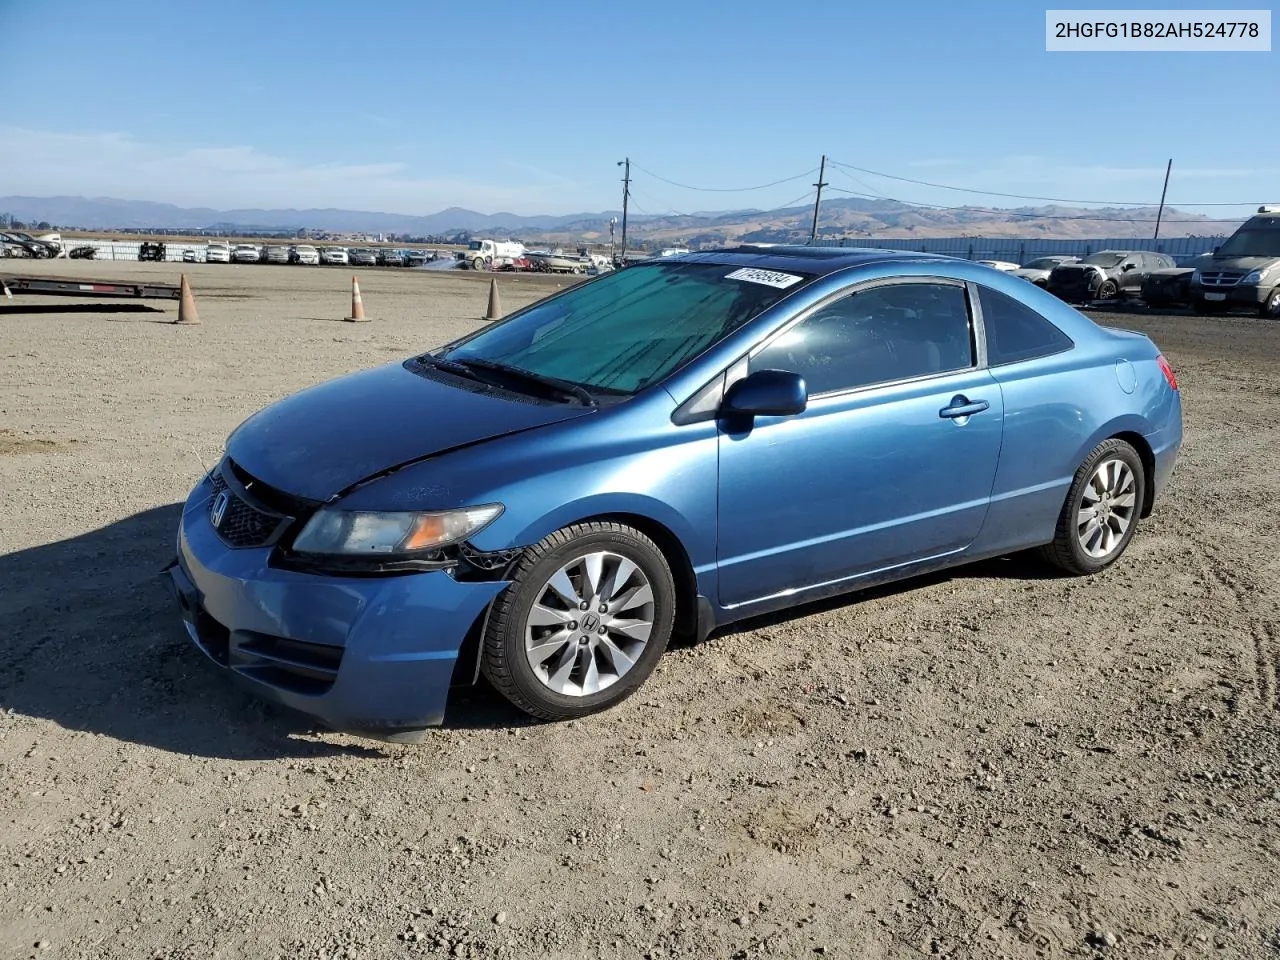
1221, 278
245, 521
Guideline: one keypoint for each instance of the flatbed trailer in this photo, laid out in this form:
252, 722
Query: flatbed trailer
84, 287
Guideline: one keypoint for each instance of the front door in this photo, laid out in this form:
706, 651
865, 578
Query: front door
893, 460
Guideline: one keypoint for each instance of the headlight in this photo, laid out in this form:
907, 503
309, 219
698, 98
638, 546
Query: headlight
356, 533
1255, 277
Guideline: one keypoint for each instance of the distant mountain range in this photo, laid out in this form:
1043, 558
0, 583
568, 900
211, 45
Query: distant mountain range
840, 217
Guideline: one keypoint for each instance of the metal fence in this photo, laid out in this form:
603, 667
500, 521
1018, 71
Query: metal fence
128, 250
1018, 250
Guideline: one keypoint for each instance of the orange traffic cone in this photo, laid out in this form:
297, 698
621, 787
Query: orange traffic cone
495, 305
357, 305
187, 304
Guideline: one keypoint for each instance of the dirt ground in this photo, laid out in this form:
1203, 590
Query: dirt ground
992, 763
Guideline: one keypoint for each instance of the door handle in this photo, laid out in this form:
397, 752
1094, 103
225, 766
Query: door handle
961, 406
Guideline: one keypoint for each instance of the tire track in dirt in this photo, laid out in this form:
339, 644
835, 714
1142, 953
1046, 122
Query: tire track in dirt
1263, 633
1267, 664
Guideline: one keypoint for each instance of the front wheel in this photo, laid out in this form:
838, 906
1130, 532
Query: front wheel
1101, 511
1107, 291
588, 615
477, 264
1270, 308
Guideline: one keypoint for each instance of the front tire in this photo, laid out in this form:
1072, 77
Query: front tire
1270, 308
1106, 291
588, 615
1101, 511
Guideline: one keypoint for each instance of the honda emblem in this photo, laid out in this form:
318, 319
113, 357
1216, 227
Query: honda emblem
219, 509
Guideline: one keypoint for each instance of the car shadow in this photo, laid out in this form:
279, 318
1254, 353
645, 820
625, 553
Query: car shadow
90, 639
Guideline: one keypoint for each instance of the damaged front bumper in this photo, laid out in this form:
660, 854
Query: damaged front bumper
372, 655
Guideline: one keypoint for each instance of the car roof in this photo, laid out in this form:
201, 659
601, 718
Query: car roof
813, 260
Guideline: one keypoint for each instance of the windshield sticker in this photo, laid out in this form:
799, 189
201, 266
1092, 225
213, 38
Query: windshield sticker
770, 278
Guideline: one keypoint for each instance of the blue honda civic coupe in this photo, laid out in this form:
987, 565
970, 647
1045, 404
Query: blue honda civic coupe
661, 451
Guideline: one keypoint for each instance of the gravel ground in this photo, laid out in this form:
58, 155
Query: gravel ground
991, 763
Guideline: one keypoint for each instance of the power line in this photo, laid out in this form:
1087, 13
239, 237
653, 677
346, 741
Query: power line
1021, 196
1033, 216
763, 186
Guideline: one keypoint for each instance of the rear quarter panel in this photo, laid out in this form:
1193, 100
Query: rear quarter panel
1058, 408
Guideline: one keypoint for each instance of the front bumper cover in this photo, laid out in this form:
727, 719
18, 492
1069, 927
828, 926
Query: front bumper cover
368, 655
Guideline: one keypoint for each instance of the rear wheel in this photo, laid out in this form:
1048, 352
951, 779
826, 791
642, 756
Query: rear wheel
587, 617
1101, 511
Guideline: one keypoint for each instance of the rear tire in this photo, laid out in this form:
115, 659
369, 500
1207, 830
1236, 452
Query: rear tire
555, 659
1101, 511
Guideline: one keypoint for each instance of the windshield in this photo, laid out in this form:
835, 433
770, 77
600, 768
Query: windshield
632, 328
474, 245
1044, 263
1252, 243
1104, 259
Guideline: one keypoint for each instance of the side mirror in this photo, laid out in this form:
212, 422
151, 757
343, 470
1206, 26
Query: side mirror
767, 393
1128, 266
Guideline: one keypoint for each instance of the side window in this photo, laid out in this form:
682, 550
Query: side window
1015, 331
890, 332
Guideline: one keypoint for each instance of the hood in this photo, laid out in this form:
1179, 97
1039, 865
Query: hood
319, 442
1243, 264
1031, 273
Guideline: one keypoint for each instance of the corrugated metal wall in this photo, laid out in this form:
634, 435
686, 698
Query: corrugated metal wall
1022, 250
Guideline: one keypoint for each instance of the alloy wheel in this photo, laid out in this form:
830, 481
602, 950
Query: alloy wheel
589, 624
1107, 508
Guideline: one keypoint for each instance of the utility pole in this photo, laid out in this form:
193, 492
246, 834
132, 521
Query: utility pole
626, 194
817, 201
1160, 212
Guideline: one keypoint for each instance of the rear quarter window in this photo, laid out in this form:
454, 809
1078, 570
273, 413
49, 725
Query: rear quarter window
1015, 332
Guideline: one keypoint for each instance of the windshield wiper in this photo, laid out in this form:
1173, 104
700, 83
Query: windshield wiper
563, 387
452, 366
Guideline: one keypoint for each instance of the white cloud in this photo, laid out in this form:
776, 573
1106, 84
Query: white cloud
44, 163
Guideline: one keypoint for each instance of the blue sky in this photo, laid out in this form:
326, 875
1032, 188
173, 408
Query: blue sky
414, 107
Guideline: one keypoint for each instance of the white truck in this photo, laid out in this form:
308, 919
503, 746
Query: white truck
486, 254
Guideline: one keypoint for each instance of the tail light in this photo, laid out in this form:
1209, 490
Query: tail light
1168, 372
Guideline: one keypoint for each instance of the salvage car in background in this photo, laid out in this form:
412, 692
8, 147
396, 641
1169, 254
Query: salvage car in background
1171, 287
276, 254
1106, 275
24, 245
306, 255
1243, 273
1003, 265
217, 252
661, 450
245, 253
362, 257
333, 255
391, 258
1038, 270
